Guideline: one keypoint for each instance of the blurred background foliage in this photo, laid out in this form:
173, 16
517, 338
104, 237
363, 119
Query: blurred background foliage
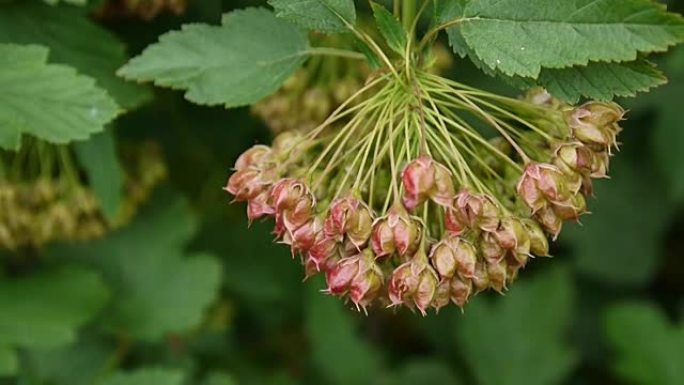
186, 294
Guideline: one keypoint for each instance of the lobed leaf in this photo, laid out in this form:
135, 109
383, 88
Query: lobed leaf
520, 37
49, 101
74, 40
245, 59
158, 288
319, 15
45, 310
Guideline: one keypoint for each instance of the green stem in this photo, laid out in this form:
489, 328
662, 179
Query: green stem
408, 14
330, 51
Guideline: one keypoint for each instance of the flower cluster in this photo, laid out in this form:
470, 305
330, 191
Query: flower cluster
408, 204
39, 206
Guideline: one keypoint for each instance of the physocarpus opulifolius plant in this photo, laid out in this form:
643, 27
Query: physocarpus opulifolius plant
419, 191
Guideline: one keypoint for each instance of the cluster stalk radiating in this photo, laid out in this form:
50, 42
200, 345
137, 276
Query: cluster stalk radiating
419, 191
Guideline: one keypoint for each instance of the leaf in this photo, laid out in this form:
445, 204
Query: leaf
219, 378
81, 363
649, 349
336, 349
158, 288
447, 11
99, 159
668, 136
425, 371
519, 339
319, 15
245, 59
613, 245
48, 308
49, 101
9, 364
390, 27
520, 37
601, 81
73, 40
149, 376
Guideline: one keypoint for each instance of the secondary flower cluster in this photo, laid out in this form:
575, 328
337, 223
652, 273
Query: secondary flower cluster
408, 205
37, 207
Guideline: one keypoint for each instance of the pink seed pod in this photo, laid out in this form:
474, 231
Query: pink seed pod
425, 179
596, 123
418, 179
414, 283
340, 277
349, 217
304, 238
245, 184
255, 157
259, 206
396, 232
551, 222
512, 235
365, 286
454, 255
541, 183
498, 275
475, 211
574, 157
539, 243
461, 290
287, 192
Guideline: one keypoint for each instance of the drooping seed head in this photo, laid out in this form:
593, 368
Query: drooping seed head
349, 217
340, 277
498, 275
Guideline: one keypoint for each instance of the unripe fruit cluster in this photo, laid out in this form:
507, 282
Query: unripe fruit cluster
419, 209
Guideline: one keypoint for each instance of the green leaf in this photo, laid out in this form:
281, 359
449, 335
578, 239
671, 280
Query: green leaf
612, 244
390, 27
81, 363
49, 101
668, 135
48, 308
245, 59
9, 364
158, 288
649, 348
445, 12
99, 159
601, 81
425, 371
73, 40
149, 376
520, 37
218, 378
519, 339
319, 15
336, 349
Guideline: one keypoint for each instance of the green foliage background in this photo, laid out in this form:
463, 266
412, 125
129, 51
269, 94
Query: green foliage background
187, 294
